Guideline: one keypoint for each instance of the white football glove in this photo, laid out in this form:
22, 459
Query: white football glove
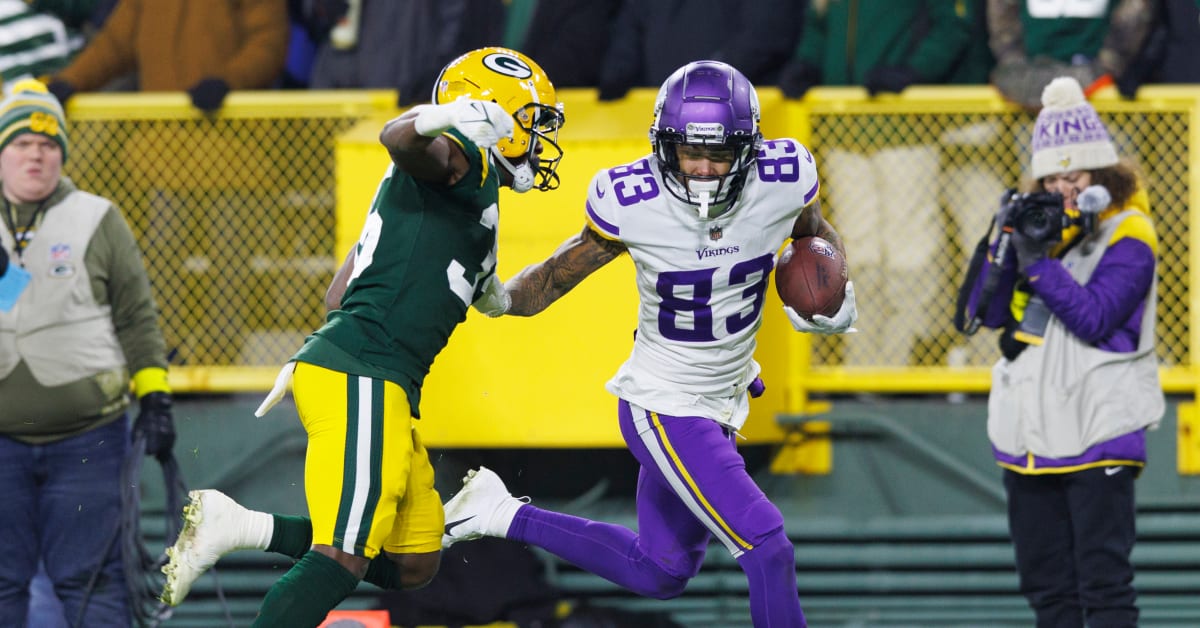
482, 122
495, 299
840, 323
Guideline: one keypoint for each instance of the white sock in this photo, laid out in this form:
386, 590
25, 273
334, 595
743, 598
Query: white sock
255, 530
502, 518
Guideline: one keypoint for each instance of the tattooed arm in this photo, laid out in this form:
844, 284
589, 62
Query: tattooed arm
538, 285
812, 223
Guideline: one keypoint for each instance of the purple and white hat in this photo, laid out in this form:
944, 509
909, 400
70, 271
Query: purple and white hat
1068, 135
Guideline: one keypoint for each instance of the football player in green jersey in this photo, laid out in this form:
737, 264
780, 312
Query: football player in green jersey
426, 253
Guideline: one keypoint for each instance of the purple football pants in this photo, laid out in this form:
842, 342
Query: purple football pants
692, 487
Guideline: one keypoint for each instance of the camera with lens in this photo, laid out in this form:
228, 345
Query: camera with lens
1039, 216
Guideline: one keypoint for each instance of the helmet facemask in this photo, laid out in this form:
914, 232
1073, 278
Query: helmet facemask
713, 195
534, 146
706, 104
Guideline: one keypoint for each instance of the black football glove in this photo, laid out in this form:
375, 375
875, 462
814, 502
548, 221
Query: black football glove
208, 94
156, 425
62, 90
797, 77
889, 78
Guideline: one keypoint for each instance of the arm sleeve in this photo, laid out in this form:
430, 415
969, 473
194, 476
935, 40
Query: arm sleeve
119, 278
601, 209
810, 181
264, 25
110, 53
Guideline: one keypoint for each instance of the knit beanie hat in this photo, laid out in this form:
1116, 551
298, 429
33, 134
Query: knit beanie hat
1068, 135
30, 108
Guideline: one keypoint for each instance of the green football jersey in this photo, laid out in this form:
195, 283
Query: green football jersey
421, 260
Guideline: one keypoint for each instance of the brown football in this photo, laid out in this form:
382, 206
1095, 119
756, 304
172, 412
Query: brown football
811, 277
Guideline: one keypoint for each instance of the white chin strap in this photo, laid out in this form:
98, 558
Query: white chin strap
522, 175
704, 190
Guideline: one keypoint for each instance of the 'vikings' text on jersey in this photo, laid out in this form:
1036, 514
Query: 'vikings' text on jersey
701, 281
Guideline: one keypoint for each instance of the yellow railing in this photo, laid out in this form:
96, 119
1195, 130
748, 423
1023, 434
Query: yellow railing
966, 145
244, 217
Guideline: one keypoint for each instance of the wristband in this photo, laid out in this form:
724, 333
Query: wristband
150, 379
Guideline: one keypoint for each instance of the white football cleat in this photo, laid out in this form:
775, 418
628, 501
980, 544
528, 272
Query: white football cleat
213, 525
483, 507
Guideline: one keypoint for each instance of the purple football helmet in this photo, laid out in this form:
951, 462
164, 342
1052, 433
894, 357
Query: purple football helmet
710, 104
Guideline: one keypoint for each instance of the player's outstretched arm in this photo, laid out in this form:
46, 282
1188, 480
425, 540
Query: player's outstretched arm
538, 285
417, 146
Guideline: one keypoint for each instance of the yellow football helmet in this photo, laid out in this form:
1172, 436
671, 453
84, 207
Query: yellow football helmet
519, 85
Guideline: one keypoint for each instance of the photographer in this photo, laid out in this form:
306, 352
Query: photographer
1073, 289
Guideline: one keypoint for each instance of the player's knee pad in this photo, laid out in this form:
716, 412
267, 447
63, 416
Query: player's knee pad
760, 521
774, 551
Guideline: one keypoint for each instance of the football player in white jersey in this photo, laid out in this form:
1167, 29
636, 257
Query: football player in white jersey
702, 217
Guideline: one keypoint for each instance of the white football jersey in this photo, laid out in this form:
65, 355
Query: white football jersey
702, 282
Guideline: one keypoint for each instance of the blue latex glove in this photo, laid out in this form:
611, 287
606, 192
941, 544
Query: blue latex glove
13, 280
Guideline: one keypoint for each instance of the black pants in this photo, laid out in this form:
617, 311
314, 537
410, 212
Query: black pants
1073, 534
